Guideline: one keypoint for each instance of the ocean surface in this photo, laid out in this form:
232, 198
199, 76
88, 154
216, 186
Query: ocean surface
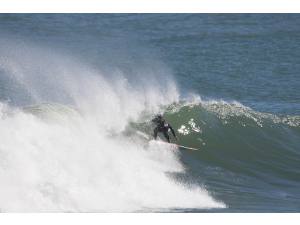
78, 92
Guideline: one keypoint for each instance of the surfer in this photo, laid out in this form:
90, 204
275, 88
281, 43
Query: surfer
162, 126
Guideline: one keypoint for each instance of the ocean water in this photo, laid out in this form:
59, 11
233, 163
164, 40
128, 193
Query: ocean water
78, 92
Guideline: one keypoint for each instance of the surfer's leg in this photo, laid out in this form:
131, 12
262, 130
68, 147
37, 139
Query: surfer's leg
166, 136
155, 133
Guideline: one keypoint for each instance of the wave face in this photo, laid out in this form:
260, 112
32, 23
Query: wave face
64, 145
244, 153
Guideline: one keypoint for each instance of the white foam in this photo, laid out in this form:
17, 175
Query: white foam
53, 161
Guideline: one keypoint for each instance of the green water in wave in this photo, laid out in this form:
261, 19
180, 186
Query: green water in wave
247, 159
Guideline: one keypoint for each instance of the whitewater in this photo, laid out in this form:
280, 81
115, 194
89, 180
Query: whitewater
63, 147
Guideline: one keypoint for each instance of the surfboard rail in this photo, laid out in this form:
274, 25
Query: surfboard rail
189, 148
177, 145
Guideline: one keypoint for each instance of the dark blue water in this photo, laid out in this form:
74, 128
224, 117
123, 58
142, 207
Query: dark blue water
251, 58
252, 162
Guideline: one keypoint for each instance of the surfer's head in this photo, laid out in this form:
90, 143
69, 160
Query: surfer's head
158, 119
159, 116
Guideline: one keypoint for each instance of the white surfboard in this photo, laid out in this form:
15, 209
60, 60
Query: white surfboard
176, 145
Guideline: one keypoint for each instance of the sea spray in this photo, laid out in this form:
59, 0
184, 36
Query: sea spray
63, 149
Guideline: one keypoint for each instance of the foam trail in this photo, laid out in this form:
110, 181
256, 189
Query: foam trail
72, 155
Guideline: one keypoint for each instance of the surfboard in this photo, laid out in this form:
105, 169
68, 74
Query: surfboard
189, 148
163, 142
176, 145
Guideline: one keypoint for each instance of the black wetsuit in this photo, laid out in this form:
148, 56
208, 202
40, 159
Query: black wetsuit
162, 126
